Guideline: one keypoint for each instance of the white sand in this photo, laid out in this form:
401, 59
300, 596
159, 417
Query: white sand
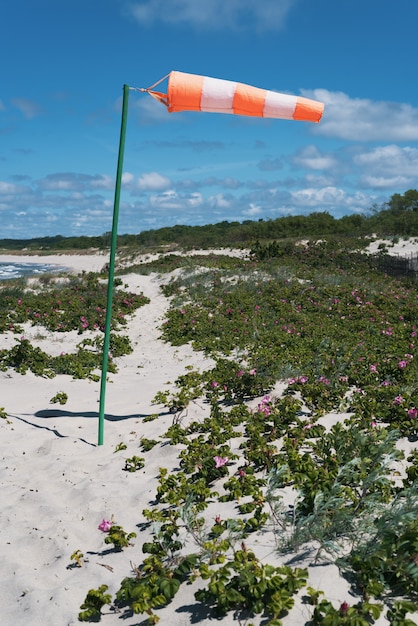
57, 484
402, 248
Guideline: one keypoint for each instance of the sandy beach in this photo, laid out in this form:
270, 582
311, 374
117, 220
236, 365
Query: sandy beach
57, 484
74, 263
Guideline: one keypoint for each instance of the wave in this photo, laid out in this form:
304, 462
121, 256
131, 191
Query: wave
17, 270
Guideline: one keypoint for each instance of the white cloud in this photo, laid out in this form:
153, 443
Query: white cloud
214, 14
358, 119
313, 197
170, 199
153, 181
311, 158
148, 111
330, 197
127, 178
253, 210
390, 159
388, 167
194, 200
219, 201
73, 181
319, 181
376, 182
55, 183
28, 108
6, 188
103, 182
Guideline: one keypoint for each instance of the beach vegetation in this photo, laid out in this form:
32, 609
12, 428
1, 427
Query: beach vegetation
134, 463
92, 606
118, 537
360, 614
308, 403
78, 558
245, 585
3, 414
147, 444
60, 398
342, 342
77, 304
154, 585
151, 417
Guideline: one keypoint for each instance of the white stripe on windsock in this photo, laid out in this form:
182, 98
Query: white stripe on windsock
217, 95
279, 105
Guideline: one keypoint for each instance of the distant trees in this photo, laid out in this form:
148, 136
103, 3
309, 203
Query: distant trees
398, 216
407, 202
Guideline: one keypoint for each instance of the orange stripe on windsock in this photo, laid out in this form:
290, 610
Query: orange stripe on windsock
184, 92
308, 110
249, 100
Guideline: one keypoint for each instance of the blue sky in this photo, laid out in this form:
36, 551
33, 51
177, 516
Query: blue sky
64, 64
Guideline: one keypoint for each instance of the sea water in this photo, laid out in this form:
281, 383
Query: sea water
17, 270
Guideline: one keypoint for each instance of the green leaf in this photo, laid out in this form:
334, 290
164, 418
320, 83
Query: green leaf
169, 587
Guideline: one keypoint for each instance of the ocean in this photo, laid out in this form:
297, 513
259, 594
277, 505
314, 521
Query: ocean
17, 270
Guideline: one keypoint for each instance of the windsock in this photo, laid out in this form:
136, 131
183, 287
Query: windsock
191, 92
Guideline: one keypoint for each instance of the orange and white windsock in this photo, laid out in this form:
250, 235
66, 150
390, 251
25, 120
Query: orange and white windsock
191, 92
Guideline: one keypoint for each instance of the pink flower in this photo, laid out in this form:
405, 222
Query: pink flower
252, 372
220, 461
413, 413
215, 384
241, 473
402, 364
373, 368
398, 400
218, 519
105, 525
262, 408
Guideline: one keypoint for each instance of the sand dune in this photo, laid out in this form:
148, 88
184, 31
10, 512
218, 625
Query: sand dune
57, 484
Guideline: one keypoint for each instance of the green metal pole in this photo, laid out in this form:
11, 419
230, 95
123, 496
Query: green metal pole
111, 274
